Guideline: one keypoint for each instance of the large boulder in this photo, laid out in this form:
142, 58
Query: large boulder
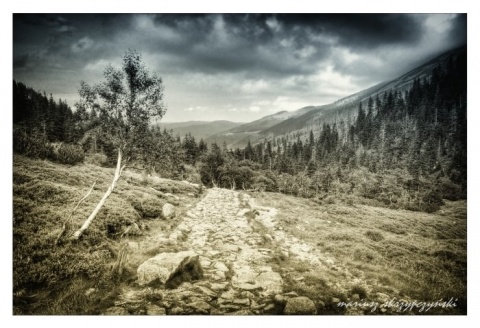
170, 269
168, 211
300, 305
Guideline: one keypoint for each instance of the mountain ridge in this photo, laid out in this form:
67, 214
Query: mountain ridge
311, 117
199, 129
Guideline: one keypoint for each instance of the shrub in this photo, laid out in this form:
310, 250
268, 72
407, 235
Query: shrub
149, 208
97, 159
432, 201
374, 235
393, 228
191, 174
70, 154
450, 190
32, 146
360, 291
330, 200
339, 236
364, 254
262, 183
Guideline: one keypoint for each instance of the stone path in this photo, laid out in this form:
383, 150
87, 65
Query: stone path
237, 277
235, 241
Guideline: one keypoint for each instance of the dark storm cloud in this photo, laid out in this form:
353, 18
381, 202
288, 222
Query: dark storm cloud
239, 57
249, 35
365, 30
20, 61
218, 43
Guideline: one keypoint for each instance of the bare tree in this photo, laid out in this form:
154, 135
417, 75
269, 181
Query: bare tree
127, 101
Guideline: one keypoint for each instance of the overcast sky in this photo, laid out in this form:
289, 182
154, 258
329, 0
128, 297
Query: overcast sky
232, 67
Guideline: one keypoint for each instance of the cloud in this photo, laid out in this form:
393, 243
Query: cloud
98, 65
282, 103
20, 61
83, 44
196, 109
229, 64
254, 86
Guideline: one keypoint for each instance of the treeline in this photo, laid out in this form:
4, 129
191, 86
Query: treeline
48, 129
44, 128
42, 115
403, 149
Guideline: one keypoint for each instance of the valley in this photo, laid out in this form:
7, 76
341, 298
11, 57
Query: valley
239, 164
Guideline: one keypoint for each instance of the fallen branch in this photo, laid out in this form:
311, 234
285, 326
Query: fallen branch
86, 224
170, 198
70, 218
162, 194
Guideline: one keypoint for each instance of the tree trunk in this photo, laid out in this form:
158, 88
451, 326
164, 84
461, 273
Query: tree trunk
118, 173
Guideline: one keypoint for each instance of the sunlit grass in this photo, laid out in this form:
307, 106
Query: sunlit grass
400, 253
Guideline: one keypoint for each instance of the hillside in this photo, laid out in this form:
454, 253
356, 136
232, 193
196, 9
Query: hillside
346, 107
312, 117
199, 129
300, 121
240, 135
258, 252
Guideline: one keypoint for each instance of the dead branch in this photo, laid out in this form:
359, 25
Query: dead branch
161, 194
86, 224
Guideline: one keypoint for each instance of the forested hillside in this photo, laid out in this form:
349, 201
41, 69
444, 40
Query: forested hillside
402, 150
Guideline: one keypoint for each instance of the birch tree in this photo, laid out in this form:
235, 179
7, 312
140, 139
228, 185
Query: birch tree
127, 101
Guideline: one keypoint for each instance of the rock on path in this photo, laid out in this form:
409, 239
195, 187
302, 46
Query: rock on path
221, 235
237, 278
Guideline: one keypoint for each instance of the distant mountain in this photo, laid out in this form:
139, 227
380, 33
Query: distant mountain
301, 121
239, 136
199, 129
347, 107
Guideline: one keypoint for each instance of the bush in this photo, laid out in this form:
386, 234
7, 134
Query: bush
97, 159
330, 200
450, 190
149, 208
393, 228
432, 201
32, 146
365, 255
374, 235
262, 183
191, 174
70, 154
360, 291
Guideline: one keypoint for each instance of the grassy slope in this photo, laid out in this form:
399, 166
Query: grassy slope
403, 254
52, 279
399, 253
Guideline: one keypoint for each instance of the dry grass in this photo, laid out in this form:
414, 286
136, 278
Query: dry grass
49, 279
400, 253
